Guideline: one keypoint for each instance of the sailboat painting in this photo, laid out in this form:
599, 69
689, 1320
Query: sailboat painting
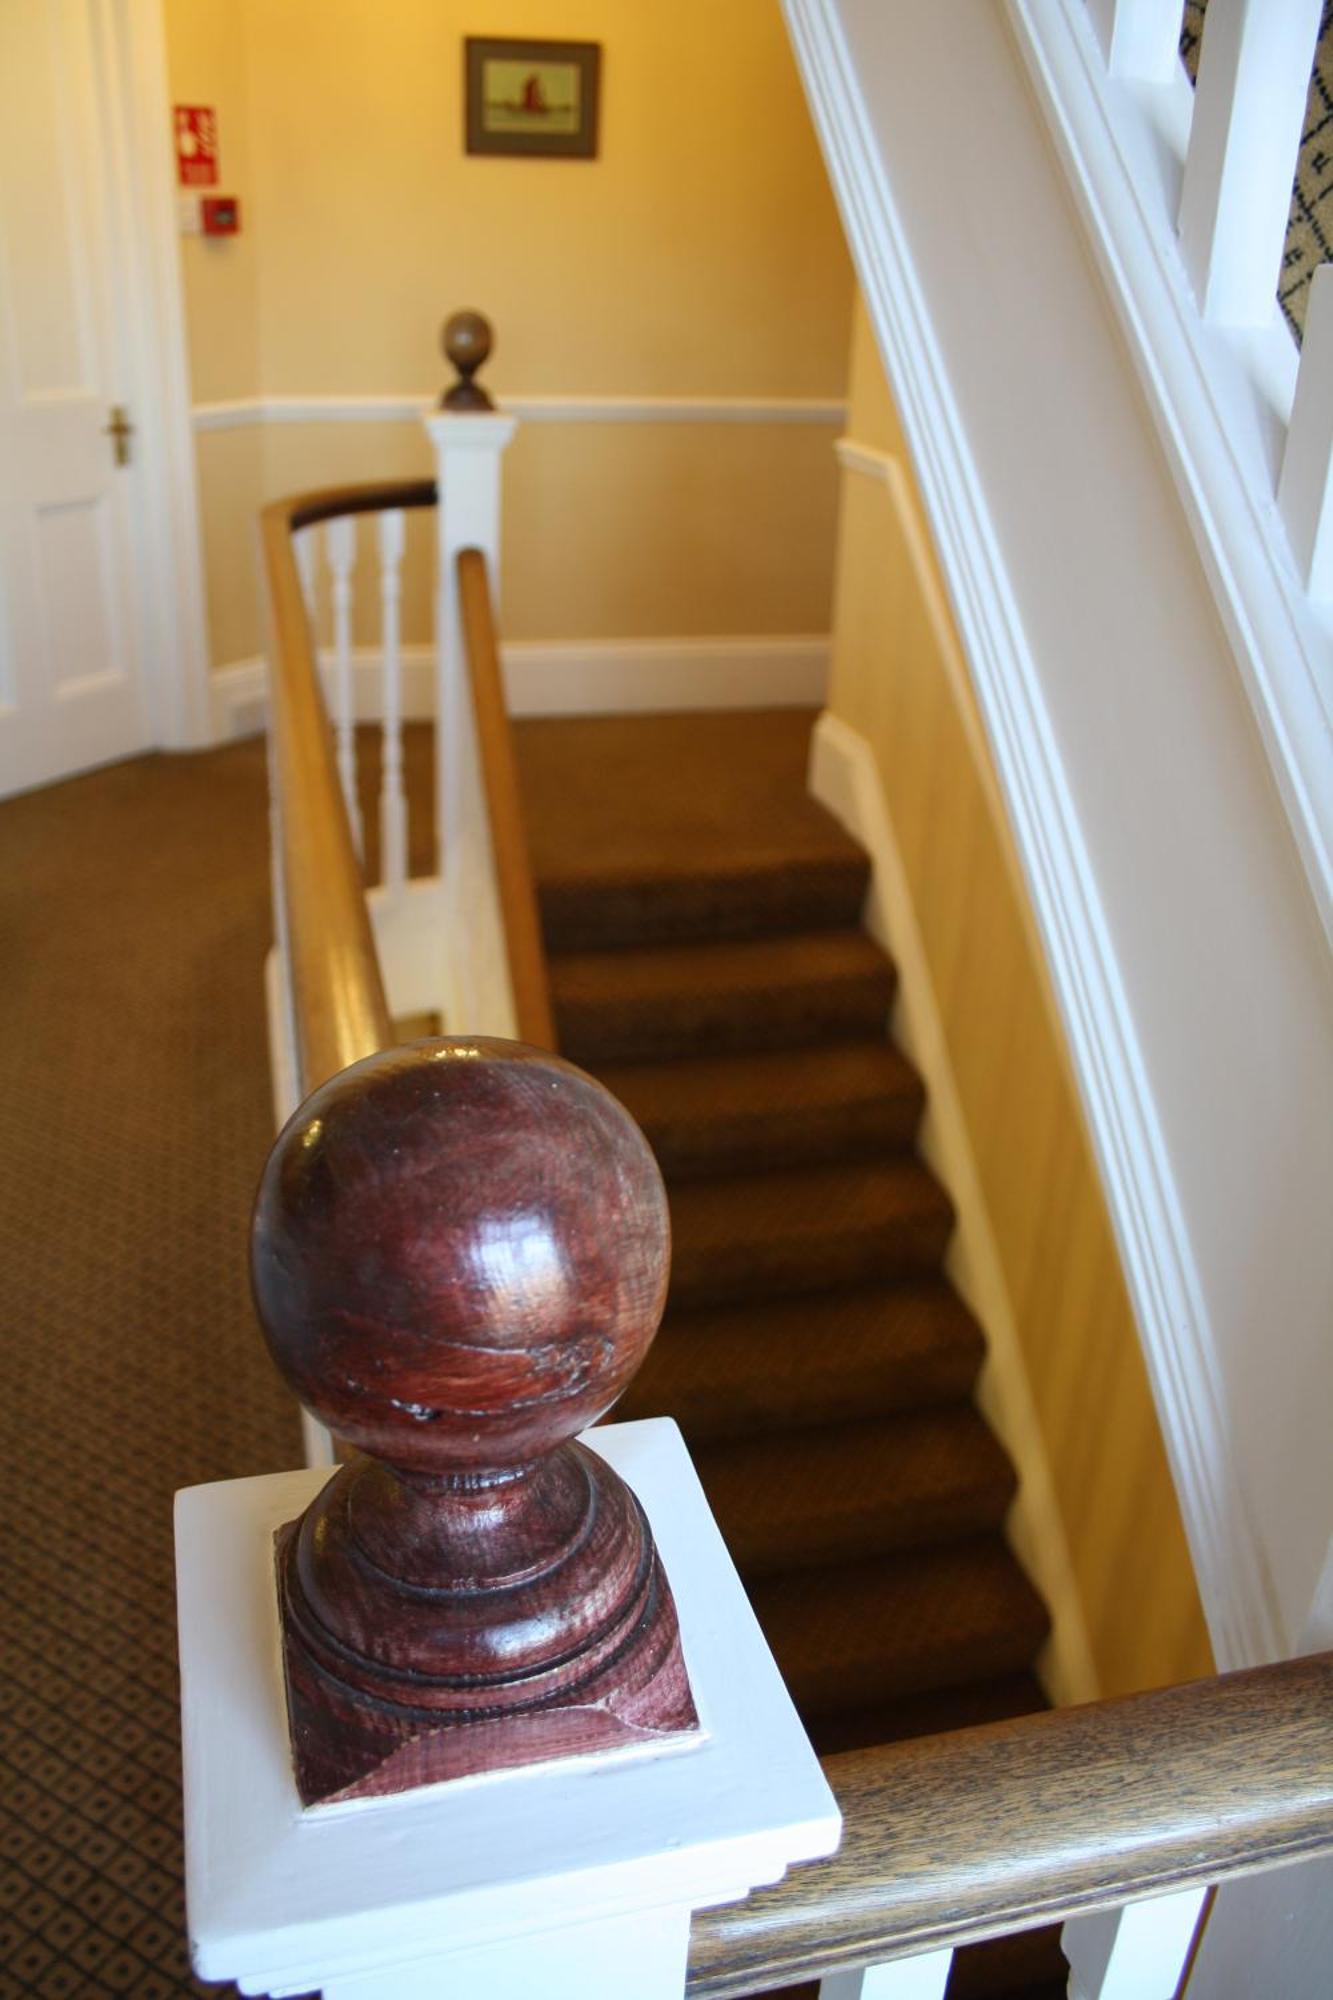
532, 97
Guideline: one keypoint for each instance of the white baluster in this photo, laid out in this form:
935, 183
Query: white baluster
393, 802
1140, 38
922, 1978
1305, 490
303, 547
340, 550
1249, 106
1137, 1953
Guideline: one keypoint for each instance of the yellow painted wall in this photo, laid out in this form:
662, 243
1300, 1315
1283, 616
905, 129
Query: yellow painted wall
891, 683
699, 255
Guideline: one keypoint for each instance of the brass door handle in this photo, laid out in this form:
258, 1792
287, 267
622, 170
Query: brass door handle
120, 430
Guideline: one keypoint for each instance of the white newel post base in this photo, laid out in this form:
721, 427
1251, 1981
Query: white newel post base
477, 998
573, 1879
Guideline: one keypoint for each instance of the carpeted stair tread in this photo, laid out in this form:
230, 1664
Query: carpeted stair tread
931, 1713
768, 1108
645, 827
805, 1229
731, 1370
871, 1632
855, 1490
690, 1000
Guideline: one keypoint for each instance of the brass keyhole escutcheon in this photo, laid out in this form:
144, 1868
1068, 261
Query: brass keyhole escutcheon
120, 430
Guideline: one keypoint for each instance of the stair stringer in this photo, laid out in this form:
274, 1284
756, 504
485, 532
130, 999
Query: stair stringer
843, 778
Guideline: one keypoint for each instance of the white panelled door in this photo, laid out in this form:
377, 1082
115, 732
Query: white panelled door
72, 690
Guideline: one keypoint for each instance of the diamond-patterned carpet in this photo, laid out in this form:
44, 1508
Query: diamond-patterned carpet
134, 1119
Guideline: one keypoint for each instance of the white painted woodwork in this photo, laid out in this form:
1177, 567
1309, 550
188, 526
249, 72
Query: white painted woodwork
1139, 38
1093, 516
393, 798
479, 999
574, 677
71, 677
340, 555
1254, 76
241, 412
1305, 490
1219, 401
1138, 1952
475, 1886
922, 1978
102, 646
305, 547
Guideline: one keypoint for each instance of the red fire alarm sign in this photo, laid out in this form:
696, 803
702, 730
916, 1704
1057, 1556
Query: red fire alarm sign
196, 145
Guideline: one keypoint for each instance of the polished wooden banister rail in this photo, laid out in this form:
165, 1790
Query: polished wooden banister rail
495, 748
339, 1006
949, 1839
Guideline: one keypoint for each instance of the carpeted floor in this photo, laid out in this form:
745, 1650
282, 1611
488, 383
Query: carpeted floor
134, 1119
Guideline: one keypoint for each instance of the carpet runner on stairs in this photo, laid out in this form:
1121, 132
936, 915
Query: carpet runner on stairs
702, 921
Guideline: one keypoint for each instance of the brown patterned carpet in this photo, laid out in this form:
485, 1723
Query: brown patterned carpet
134, 1117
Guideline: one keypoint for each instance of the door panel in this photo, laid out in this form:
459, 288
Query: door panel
71, 684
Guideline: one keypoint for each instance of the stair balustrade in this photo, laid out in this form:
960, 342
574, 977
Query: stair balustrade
1116, 1817
1186, 194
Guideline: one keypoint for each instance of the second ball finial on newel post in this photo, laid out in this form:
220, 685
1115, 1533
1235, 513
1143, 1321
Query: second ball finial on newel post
466, 339
460, 1258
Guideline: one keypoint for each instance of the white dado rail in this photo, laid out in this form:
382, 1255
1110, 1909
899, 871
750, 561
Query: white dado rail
241, 412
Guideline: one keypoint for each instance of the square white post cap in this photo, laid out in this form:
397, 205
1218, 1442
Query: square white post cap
283, 1899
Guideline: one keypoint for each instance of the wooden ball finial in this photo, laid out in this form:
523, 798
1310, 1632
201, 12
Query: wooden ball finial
466, 339
460, 1257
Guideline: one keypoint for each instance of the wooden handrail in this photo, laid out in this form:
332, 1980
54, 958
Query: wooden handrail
949, 1839
495, 749
339, 1004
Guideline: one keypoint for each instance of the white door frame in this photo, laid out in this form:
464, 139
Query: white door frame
142, 203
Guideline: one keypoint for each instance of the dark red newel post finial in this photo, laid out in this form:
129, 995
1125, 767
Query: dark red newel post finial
466, 340
460, 1257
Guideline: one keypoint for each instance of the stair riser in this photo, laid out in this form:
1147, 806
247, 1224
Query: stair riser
846, 1684
609, 916
881, 1529
728, 1272
721, 1023
844, 1132
756, 1406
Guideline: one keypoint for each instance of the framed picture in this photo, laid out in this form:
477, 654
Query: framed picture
532, 97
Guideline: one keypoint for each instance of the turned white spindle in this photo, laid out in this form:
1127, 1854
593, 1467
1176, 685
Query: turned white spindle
393, 800
340, 553
306, 553
922, 1978
1305, 489
1136, 1953
1140, 38
1254, 76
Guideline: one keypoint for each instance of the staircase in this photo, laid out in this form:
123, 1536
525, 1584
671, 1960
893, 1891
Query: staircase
702, 922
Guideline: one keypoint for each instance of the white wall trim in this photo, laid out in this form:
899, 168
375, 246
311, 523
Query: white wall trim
242, 412
574, 677
1136, 1166
1216, 395
844, 777
167, 535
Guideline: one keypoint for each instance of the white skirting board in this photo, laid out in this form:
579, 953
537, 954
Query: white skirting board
576, 677
844, 778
